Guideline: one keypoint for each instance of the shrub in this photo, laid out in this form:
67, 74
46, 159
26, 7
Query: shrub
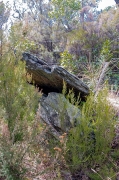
89, 143
68, 62
18, 103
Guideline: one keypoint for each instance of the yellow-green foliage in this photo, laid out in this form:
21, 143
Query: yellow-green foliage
18, 105
18, 38
90, 142
64, 8
68, 62
17, 97
106, 50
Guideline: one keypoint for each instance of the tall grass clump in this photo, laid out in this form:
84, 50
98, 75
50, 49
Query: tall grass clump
18, 105
89, 143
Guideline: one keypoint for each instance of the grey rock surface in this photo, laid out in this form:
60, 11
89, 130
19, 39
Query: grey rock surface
50, 77
56, 111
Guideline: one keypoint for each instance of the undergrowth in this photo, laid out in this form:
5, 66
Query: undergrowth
18, 124
87, 147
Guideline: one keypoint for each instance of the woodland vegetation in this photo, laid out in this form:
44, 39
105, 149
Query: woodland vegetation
76, 35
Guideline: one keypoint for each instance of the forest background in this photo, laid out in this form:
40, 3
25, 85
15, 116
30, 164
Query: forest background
76, 29
70, 33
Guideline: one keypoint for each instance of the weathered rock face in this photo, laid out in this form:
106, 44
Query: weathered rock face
117, 2
56, 111
50, 78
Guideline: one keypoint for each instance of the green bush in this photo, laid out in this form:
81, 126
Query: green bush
89, 143
18, 99
68, 62
18, 103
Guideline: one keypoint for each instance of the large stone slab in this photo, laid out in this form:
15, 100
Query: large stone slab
50, 77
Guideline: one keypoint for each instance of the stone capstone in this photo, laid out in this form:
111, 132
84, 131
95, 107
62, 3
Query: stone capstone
50, 78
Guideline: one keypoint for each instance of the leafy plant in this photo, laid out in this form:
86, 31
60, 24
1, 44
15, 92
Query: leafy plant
92, 137
65, 9
19, 40
18, 103
68, 62
106, 50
